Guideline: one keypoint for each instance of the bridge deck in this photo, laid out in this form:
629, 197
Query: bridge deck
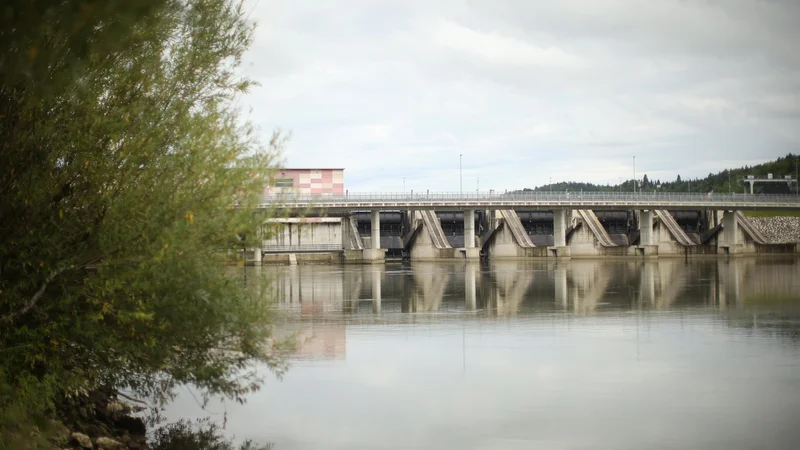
444, 201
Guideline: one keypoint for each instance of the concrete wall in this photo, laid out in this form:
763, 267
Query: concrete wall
745, 245
302, 258
424, 249
503, 245
305, 232
584, 244
666, 243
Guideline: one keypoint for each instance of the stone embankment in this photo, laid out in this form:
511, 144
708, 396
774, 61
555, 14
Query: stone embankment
106, 423
779, 229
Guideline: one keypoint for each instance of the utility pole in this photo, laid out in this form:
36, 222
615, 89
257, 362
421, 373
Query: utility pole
460, 176
550, 183
478, 185
634, 174
404, 184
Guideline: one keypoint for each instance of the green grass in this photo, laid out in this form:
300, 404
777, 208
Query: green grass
771, 213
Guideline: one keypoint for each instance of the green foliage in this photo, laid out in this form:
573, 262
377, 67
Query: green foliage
201, 435
120, 159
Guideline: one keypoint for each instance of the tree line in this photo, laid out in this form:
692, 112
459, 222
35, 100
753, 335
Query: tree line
728, 180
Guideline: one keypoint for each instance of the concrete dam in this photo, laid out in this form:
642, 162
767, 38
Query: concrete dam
640, 225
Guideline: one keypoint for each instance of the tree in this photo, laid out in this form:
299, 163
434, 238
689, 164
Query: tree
120, 159
645, 181
678, 180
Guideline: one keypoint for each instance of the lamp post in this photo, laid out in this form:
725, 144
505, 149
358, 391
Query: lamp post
634, 174
404, 184
550, 183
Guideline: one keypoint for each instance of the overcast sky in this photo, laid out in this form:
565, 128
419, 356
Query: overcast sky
526, 90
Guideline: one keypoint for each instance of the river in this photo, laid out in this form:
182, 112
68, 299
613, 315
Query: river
576, 355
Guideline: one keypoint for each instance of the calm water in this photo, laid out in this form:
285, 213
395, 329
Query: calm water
578, 355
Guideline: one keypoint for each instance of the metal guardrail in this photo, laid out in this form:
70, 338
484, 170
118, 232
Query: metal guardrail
533, 196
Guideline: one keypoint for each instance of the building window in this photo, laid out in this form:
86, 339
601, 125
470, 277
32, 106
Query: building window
284, 182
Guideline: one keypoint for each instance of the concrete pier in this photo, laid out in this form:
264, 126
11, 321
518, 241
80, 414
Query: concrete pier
470, 252
646, 228
375, 240
730, 230
374, 254
560, 227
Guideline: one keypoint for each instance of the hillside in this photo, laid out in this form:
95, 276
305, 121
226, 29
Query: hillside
714, 182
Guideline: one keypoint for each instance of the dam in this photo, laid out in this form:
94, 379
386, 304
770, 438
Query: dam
370, 227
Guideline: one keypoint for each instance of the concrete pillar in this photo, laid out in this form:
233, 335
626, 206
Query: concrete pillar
470, 251
469, 286
730, 228
559, 228
257, 256
562, 295
646, 228
375, 215
469, 228
376, 290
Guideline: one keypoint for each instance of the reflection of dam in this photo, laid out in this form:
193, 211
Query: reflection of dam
509, 287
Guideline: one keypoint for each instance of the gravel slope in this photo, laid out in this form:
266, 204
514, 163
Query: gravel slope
778, 230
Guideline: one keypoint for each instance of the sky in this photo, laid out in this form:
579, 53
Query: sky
444, 95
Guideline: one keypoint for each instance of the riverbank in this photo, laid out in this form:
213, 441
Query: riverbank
98, 420
104, 421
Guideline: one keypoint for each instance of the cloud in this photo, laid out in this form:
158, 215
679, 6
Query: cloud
525, 91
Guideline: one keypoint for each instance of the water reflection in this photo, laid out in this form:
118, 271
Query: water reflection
508, 288
578, 354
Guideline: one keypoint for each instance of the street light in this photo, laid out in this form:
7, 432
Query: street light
634, 174
550, 183
404, 184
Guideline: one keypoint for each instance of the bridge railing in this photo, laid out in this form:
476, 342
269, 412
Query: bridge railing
534, 196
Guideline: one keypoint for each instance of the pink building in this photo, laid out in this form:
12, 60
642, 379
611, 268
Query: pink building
308, 182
